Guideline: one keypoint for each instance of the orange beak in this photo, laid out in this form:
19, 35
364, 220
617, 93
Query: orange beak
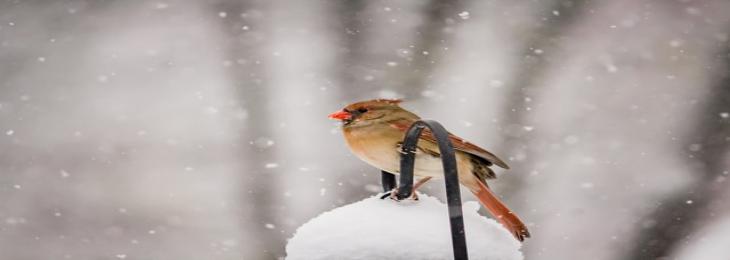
341, 115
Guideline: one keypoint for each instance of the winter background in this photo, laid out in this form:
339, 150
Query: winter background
199, 130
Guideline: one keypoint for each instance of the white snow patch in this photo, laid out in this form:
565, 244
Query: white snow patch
386, 229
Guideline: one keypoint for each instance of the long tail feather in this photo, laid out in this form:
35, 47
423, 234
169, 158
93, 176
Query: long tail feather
503, 214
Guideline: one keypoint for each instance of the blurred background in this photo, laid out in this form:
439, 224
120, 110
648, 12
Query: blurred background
198, 129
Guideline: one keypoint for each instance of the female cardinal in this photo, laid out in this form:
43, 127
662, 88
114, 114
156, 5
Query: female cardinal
374, 130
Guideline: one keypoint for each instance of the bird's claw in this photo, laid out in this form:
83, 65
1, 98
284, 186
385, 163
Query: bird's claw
393, 194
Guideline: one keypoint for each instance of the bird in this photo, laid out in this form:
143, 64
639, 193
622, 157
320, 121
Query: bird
374, 131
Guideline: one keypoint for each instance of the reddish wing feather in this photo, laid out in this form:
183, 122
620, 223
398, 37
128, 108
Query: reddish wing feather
459, 144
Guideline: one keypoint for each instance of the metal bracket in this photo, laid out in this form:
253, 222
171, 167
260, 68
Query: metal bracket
448, 159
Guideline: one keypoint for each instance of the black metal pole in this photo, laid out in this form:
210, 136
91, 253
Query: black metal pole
387, 180
448, 159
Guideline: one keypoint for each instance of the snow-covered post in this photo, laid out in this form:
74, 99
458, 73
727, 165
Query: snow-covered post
386, 229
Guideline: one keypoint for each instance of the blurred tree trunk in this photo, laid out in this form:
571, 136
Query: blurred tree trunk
244, 49
365, 55
300, 71
527, 79
351, 20
434, 36
676, 217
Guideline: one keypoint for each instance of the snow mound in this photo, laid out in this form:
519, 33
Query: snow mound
387, 229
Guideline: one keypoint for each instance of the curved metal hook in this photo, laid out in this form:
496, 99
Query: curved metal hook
448, 159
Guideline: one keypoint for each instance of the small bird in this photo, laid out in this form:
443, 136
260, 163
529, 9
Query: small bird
374, 131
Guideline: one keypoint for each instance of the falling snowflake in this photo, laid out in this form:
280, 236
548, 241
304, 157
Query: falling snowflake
102, 78
263, 142
464, 15
271, 165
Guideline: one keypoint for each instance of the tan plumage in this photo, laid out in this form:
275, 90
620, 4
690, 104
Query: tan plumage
374, 129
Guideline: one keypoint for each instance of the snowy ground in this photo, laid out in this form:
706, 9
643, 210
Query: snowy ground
385, 229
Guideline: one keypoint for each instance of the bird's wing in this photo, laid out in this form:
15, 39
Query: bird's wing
458, 142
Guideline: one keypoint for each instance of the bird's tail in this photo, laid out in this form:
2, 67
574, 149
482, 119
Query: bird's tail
503, 214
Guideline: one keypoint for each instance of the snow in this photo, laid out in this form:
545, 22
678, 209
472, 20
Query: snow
271, 165
386, 229
464, 15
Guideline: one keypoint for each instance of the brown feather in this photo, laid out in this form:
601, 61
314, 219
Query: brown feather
480, 168
459, 143
500, 212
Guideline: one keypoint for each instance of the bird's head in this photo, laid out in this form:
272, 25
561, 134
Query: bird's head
370, 112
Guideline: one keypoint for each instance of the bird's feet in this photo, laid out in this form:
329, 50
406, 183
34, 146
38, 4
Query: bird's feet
393, 194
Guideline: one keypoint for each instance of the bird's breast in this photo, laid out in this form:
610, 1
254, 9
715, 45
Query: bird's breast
377, 149
381, 150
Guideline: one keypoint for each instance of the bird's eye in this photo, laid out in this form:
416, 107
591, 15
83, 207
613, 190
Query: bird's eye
362, 110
